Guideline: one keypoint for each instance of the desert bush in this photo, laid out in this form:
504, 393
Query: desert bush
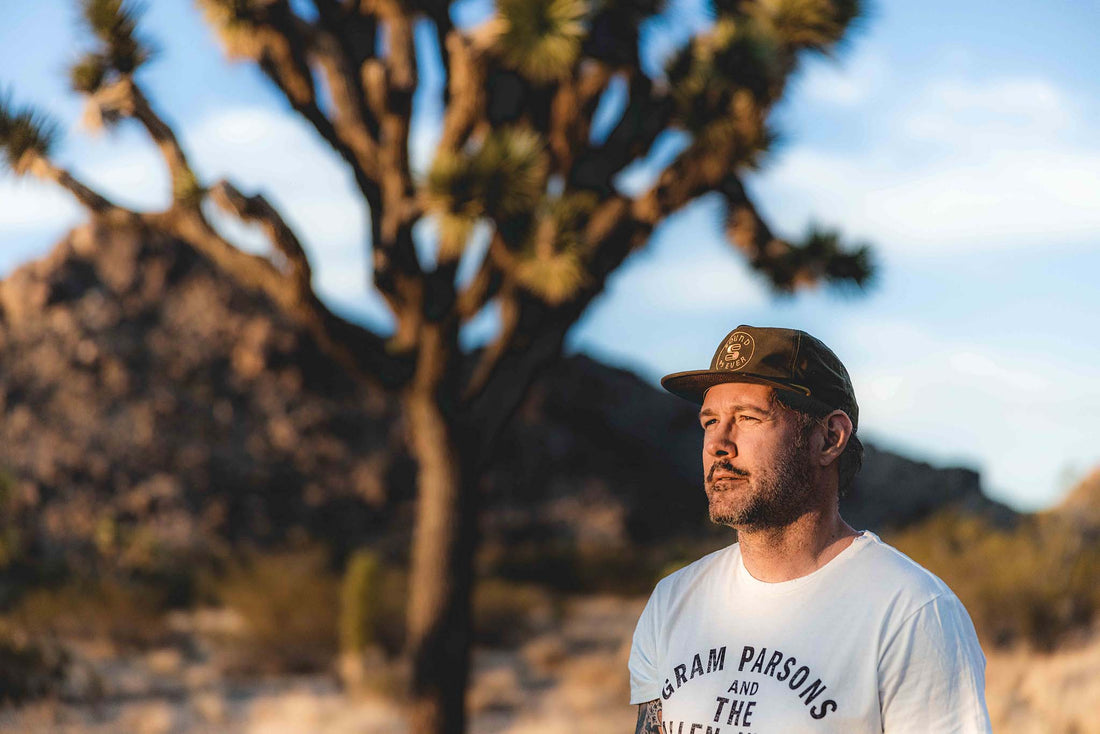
372, 604
286, 601
1034, 583
507, 613
566, 567
125, 611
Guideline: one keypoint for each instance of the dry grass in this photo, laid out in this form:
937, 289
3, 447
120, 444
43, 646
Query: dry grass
287, 602
127, 613
1033, 584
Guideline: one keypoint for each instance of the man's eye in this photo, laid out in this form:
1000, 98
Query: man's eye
747, 418
709, 421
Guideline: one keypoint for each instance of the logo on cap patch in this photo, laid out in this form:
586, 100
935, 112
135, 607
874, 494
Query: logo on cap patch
736, 352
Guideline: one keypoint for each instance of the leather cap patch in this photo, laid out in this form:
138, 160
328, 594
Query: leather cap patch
736, 352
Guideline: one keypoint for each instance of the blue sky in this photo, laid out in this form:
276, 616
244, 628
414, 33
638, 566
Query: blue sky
958, 138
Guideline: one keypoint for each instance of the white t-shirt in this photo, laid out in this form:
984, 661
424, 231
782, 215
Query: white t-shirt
869, 642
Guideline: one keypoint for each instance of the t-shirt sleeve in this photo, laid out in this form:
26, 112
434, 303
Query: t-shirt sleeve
644, 683
932, 673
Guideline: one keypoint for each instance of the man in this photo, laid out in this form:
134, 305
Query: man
804, 624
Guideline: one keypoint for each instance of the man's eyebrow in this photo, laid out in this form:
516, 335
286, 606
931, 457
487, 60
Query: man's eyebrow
738, 408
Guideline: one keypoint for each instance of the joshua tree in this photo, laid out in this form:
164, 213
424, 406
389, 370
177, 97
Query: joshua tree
517, 157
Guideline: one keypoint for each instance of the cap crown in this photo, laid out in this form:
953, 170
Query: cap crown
788, 359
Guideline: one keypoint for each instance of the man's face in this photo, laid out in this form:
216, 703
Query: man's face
756, 464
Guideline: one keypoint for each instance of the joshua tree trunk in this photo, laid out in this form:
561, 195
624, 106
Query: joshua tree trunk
441, 574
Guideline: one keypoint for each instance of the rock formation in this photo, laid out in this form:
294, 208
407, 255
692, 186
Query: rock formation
148, 406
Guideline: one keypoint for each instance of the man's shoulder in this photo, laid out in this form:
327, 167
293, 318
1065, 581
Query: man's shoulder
895, 574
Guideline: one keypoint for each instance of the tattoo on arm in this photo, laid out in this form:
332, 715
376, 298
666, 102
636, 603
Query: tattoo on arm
650, 718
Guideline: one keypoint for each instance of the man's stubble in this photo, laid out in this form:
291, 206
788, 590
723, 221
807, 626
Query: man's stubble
772, 497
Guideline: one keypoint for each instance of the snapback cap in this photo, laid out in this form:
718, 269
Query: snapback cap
800, 365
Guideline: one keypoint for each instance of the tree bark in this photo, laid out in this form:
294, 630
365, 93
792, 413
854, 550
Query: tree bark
439, 615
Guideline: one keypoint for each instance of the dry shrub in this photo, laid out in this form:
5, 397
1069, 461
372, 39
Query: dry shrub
129, 613
507, 613
1034, 583
567, 567
287, 602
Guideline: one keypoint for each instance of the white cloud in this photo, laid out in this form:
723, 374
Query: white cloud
842, 83
970, 167
988, 371
1016, 414
30, 205
952, 110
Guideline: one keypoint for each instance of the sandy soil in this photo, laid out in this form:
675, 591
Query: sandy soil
570, 680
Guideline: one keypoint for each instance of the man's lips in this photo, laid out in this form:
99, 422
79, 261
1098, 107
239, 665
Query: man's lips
718, 472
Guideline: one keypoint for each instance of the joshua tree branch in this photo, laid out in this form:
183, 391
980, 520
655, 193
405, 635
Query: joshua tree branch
401, 58
441, 22
465, 88
647, 114
389, 86
488, 280
90, 199
354, 29
257, 209
571, 113
695, 171
185, 185
492, 355
746, 228
362, 353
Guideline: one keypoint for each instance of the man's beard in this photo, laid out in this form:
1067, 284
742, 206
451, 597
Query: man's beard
772, 497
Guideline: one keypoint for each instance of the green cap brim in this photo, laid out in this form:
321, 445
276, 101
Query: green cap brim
692, 385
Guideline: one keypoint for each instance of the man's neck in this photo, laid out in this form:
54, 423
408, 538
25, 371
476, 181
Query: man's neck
792, 551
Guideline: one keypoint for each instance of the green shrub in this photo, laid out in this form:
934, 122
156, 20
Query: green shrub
360, 598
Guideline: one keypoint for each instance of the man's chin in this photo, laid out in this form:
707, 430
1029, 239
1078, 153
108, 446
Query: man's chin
725, 516
724, 520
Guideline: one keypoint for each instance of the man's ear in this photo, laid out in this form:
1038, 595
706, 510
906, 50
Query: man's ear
838, 429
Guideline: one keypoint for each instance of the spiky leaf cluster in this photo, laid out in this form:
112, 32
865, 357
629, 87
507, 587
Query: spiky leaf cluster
235, 23
119, 49
87, 75
25, 133
813, 24
820, 257
842, 265
553, 262
554, 277
736, 55
541, 39
503, 179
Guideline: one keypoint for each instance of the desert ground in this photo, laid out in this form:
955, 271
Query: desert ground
570, 678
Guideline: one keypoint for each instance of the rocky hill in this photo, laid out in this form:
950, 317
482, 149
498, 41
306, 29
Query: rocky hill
148, 406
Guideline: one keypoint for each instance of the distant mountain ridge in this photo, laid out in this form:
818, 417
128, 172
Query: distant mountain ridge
140, 390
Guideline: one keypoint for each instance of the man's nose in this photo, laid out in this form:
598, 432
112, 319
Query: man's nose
721, 443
